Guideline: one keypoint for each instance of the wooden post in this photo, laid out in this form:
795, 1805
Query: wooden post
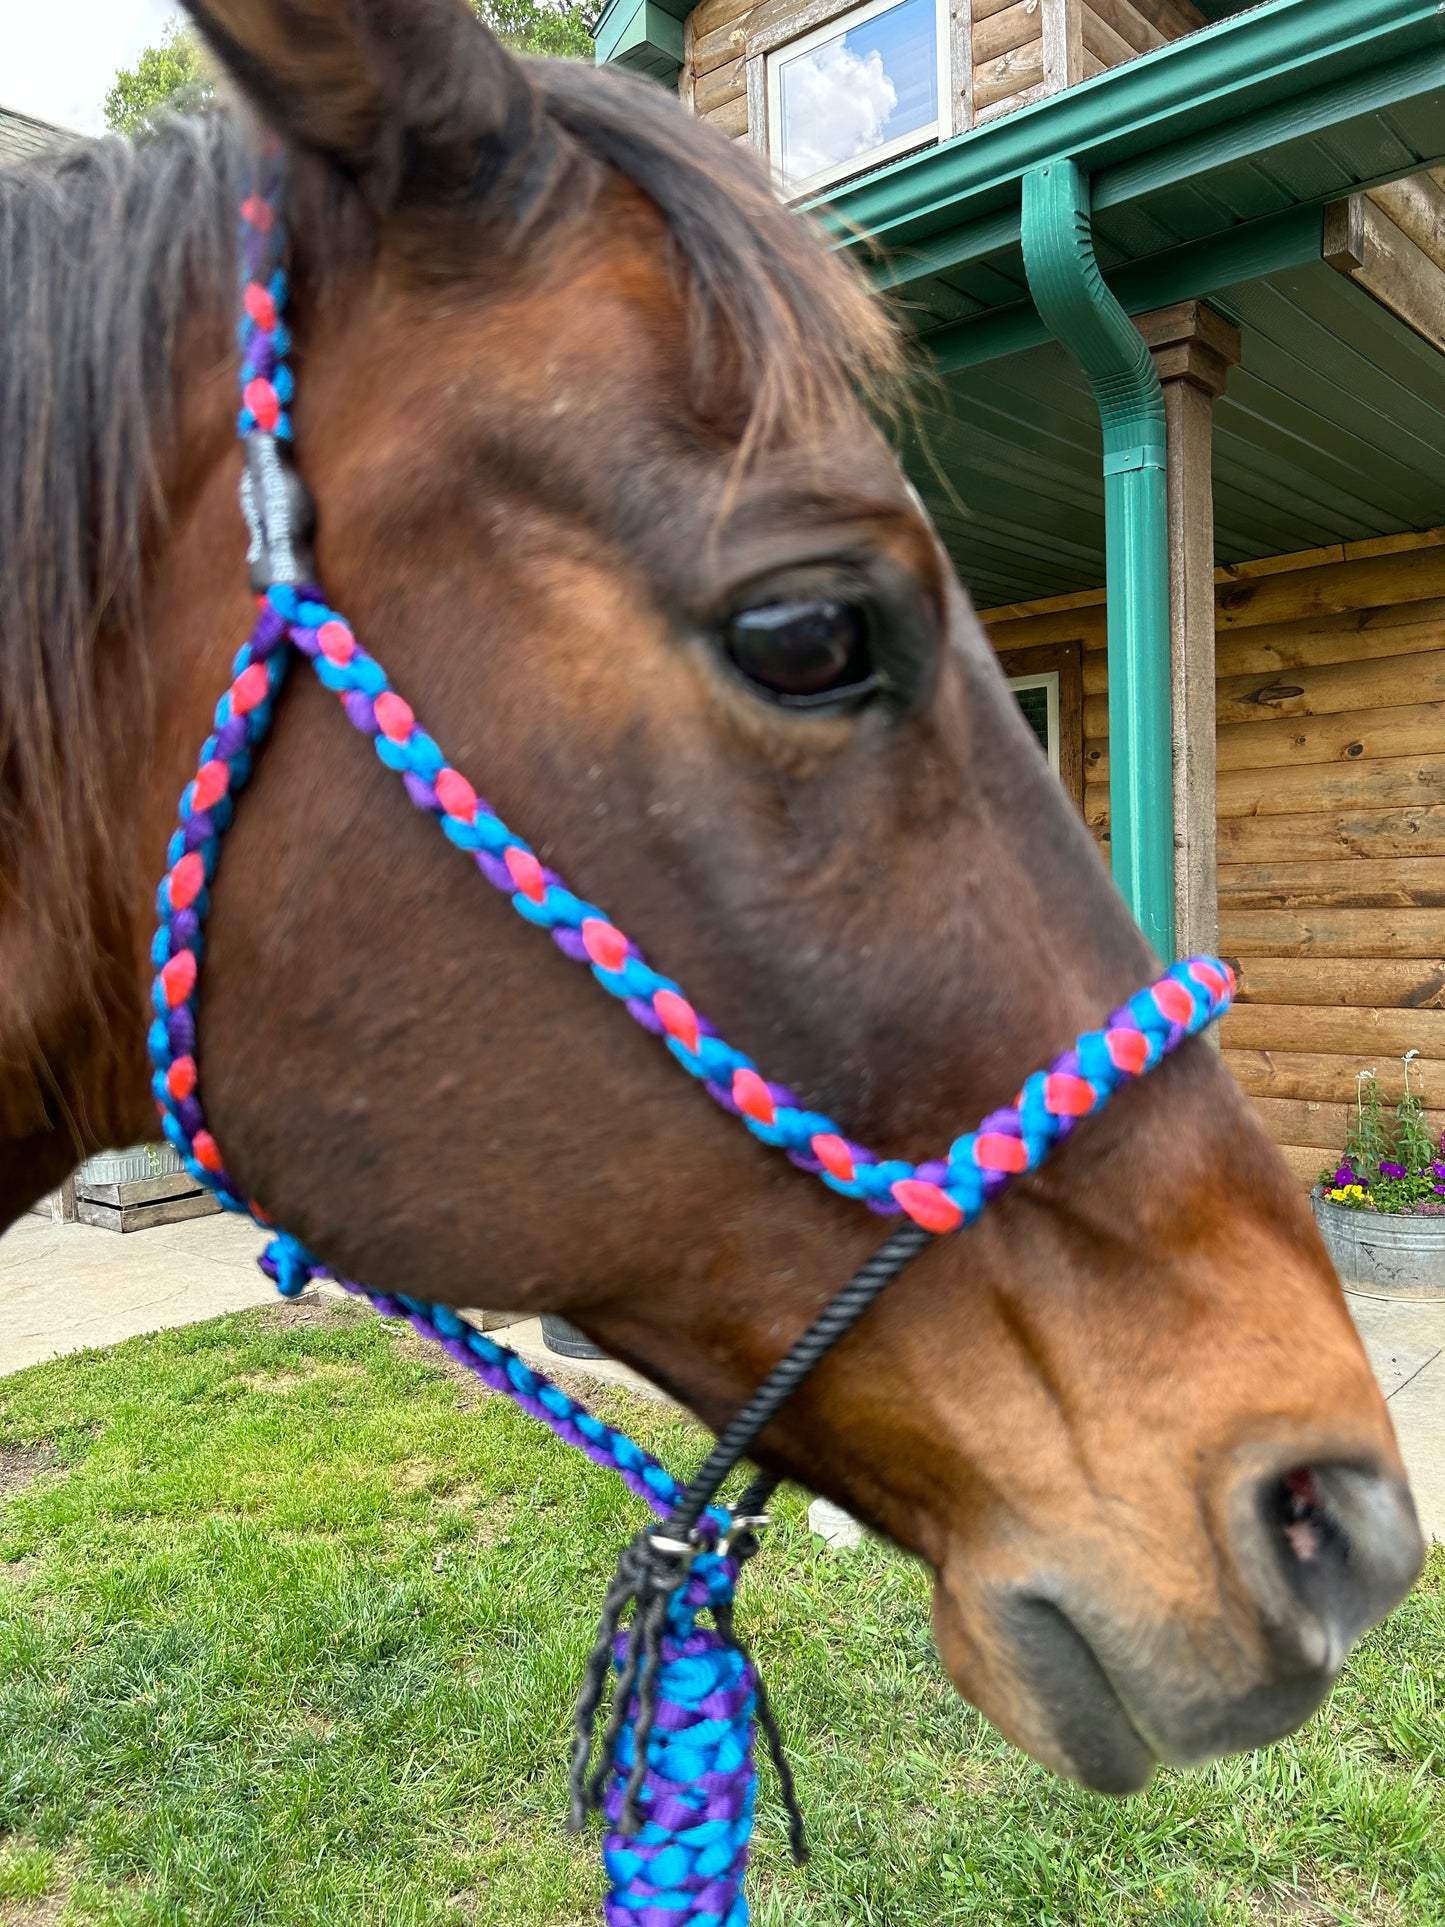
1194, 349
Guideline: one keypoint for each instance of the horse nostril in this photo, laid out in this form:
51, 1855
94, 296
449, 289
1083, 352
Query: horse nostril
1347, 1542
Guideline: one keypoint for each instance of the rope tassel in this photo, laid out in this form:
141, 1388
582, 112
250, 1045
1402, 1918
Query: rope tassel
675, 1773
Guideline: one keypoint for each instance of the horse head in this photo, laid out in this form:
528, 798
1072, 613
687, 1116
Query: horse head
587, 417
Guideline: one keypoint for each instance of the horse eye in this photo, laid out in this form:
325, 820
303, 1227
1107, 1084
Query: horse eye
803, 653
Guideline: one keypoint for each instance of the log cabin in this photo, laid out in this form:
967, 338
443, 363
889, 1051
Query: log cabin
1176, 277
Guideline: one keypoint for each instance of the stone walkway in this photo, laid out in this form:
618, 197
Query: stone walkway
65, 1286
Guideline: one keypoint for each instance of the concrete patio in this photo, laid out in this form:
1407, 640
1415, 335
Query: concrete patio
67, 1286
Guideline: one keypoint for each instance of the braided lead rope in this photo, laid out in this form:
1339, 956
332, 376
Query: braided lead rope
676, 1778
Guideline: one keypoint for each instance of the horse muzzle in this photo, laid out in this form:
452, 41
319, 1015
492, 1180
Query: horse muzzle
1089, 1669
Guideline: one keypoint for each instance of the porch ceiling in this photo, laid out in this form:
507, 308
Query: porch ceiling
1330, 431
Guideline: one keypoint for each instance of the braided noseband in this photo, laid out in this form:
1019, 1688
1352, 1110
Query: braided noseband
675, 1774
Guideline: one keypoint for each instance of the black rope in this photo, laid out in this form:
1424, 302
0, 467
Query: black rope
656, 1563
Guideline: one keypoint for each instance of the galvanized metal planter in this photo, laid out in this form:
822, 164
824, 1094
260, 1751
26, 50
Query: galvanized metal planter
135, 1189
1397, 1257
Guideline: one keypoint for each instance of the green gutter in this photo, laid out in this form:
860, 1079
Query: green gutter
1198, 268
1070, 294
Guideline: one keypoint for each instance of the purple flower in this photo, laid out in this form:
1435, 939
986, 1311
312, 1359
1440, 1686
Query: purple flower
1392, 1170
1346, 1176
1439, 1170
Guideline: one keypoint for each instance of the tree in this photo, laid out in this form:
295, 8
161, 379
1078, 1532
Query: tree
175, 76
539, 27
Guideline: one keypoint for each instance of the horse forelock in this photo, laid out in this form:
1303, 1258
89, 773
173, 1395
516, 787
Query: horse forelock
111, 250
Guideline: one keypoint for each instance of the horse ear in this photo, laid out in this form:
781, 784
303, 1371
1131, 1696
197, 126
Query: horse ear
415, 99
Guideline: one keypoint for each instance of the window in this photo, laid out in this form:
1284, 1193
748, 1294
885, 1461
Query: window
1048, 685
858, 91
1038, 698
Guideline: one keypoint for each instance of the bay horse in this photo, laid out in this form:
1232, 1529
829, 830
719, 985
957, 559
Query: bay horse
586, 415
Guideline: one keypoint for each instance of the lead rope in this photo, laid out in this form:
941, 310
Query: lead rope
674, 1773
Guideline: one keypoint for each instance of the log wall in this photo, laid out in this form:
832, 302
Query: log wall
1331, 817
1006, 53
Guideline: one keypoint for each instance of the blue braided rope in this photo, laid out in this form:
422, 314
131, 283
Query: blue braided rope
686, 1863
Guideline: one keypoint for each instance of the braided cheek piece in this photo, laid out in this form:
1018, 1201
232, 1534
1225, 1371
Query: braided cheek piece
685, 1862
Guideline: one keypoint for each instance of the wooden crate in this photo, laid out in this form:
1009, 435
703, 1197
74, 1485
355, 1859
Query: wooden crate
136, 1204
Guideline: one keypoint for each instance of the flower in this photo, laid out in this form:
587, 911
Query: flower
1439, 1170
1346, 1176
1392, 1171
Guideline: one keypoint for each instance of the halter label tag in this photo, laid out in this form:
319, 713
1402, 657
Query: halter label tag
280, 516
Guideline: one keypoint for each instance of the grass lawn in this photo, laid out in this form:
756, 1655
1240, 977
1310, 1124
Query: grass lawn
291, 1619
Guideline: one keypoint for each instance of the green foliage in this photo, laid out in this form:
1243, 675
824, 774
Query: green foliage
536, 27
1367, 1142
290, 1635
173, 77
1391, 1164
1414, 1140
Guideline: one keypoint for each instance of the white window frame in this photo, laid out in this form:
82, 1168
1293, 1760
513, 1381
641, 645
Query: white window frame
777, 57
1047, 679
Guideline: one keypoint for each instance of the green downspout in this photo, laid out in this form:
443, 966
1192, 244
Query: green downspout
1081, 313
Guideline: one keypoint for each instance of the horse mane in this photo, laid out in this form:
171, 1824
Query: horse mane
109, 250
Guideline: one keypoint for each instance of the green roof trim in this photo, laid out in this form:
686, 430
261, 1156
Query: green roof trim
644, 36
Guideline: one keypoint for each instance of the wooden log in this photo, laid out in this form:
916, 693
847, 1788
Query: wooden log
1410, 729
1130, 25
1173, 18
1332, 689
710, 15
1332, 588
724, 43
1350, 883
1011, 74
1092, 65
1105, 42
1332, 933
1313, 1029
1325, 835
1305, 1122
1305, 1164
1002, 32
731, 119
1325, 1078
986, 9
1352, 982
720, 86
1414, 628
1376, 784
1010, 104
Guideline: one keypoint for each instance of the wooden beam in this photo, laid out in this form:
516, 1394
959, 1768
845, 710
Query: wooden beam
1062, 44
1417, 207
1364, 243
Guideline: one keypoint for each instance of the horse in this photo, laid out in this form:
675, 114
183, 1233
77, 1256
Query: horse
596, 433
